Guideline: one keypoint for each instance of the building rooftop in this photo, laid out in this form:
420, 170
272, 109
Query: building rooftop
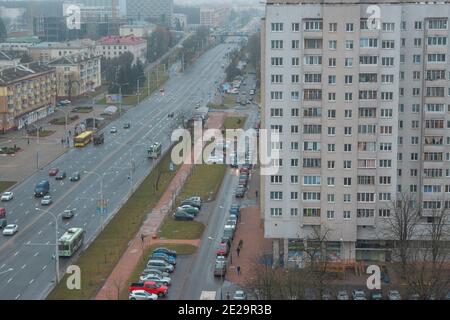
126, 40
25, 39
73, 59
76, 44
23, 71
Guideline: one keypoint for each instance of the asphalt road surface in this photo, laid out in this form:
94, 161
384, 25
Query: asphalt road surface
29, 252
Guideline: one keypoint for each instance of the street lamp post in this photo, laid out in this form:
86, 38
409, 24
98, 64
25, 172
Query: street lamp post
56, 241
101, 195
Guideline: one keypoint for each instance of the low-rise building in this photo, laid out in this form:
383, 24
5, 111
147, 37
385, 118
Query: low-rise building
114, 46
77, 74
48, 51
138, 29
27, 93
19, 43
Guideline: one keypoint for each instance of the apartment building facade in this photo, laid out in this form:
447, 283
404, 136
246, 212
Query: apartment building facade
77, 74
362, 109
48, 51
114, 46
27, 94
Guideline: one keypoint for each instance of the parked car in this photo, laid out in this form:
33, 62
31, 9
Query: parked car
414, 296
75, 176
235, 209
183, 216
150, 287
240, 192
7, 196
358, 295
127, 125
160, 265
220, 269
376, 295
46, 200
239, 295
231, 223
68, 213
222, 249
10, 229
156, 278
163, 256
53, 172
2, 212
326, 295
342, 295
190, 203
244, 170
3, 223
169, 252
154, 271
189, 209
113, 130
232, 218
196, 199
61, 176
228, 232
142, 295
394, 295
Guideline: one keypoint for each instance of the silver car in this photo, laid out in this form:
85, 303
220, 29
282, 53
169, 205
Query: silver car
160, 265
342, 295
47, 200
156, 278
142, 295
394, 295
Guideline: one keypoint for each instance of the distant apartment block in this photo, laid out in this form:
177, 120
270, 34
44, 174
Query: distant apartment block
157, 10
77, 74
140, 30
214, 17
48, 51
27, 93
19, 43
363, 116
114, 46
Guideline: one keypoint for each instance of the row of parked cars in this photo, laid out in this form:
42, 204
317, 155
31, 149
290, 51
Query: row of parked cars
154, 280
188, 209
244, 177
359, 294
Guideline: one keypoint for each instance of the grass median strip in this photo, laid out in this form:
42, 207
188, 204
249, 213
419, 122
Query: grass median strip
98, 261
234, 122
5, 185
181, 249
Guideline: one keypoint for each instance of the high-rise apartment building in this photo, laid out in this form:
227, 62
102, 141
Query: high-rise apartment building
360, 99
158, 10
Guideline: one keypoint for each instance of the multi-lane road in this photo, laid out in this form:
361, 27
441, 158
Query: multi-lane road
29, 252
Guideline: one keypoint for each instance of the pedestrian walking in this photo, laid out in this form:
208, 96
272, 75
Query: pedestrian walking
28, 141
256, 193
238, 250
228, 295
62, 140
238, 269
241, 243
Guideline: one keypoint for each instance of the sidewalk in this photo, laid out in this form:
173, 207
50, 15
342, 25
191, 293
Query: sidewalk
155, 218
24, 163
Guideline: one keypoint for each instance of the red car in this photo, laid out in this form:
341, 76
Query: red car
222, 249
53, 172
150, 287
244, 170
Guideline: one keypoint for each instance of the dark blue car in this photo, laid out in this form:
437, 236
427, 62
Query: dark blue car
163, 256
169, 252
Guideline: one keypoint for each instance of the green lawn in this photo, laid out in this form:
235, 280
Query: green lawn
42, 133
62, 120
82, 109
229, 99
204, 181
234, 122
174, 229
154, 85
101, 257
4, 185
181, 249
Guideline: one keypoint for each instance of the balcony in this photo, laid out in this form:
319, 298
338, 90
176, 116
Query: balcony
365, 221
311, 221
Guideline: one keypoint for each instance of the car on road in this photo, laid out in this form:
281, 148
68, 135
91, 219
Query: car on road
113, 130
160, 265
75, 176
189, 209
240, 192
3, 223
142, 295
191, 203
163, 256
10, 229
239, 295
7, 196
150, 287
231, 223
53, 172
169, 252
222, 249
228, 232
127, 125
376, 295
394, 295
220, 269
327, 295
46, 200
156, 278
154, 271
358, 295
68, 213
61, 176
183, 216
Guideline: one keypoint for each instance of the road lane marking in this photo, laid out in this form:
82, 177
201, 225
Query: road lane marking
9, 280
31, 281
23, 267
40, 232
2, 266
17, 297
15, 221
44, 267
15, 254
48, 242
36, 254
27, 212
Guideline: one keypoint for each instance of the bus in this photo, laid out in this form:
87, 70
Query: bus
70, 242
154, 150
83, 139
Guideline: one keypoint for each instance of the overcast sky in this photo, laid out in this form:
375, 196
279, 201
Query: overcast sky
200, 2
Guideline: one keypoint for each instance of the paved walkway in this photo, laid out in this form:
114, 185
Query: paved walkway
149, 228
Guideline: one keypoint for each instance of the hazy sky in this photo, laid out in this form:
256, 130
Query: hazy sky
198, 2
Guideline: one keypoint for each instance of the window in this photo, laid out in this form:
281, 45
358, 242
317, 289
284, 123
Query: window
294, 163
435, 92
276, 179
437, 41
311, 180
294, 211
294, 129
387, 61
277, 78
331, 164
435, 75
388, 26
418, 25
313, 43
436, 57
366, 146
332, 27
367, 95
330, 214
387, 44
295, 78
331, 131
312, 60
417, 42
294, 145
347, 198
349, 27
348, 62
416, 75
276, 61
347, 215
348, 79
331, 147
347, 164
435, 107
276, 95
295, 27
311, 196
332, 44
437, 23
385, 146
384, 180
349, 44
368, 43
313, 78
277, 44
332, 113
372, 60
365, 213
366, 180
311, 212
366, 163
365, 197
347, 131
295, 44
312, 113
277, 27
367, 112
416, 58
312, 129
296, 61
384, 196
347, 182
330, 181
312, 94
295, 95
332, 62
331, 96
348, 114
332, 79
348, 96
384, 213
276, 195
276, 112
313, 25
276, 212
294, 195
311, 162
294, 179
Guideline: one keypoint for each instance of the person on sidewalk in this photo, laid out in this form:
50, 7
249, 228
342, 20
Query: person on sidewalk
256, 193
238, 269
228, 295
238, 250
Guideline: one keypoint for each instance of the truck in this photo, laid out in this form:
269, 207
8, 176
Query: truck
42, 188
98, 138
154, 150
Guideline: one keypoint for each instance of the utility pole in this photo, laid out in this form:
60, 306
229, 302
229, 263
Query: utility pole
148, 83
138, 95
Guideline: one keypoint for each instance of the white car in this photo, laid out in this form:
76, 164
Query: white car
8, 195
10, 229
394, 295
142, 295
240, 295
47, 200
358, 295
113, 130
156, 278
215, 160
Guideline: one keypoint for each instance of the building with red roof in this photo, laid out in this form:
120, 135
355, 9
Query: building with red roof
113, 46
